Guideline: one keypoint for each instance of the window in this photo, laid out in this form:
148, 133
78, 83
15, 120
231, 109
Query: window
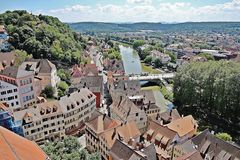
136, 114
15, 90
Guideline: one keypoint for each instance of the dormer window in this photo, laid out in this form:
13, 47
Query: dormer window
54, 109
42, 111
48, 110
78, 103
82, 100
72, 105
68, 108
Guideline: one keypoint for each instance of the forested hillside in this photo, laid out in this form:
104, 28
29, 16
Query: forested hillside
42, 36
223, 27
210, 91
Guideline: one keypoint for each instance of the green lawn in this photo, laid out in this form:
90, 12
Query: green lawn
149, 69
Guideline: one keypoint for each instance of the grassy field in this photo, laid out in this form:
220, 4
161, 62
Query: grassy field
149, 69
168, 95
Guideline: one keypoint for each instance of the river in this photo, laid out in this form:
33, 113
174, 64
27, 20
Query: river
131, 60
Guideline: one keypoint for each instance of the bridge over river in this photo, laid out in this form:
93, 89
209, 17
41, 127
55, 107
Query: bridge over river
145, 77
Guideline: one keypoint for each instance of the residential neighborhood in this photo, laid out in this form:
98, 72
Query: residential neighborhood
118, 91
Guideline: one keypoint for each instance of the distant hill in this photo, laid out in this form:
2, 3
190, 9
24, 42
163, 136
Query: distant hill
178, 27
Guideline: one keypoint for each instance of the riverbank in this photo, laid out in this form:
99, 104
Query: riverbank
149, 69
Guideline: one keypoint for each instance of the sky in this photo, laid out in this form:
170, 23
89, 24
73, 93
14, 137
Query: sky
130, 10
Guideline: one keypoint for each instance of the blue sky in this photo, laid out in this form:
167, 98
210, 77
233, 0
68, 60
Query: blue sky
131, 10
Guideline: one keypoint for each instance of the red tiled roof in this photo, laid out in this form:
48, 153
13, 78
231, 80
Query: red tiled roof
14, 147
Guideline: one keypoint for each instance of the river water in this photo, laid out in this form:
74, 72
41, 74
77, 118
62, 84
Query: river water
131, 60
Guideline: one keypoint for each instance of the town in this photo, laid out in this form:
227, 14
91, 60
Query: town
68, 94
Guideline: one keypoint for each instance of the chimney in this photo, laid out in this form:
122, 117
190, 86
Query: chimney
104, 116
114, 133
182, 115
158, 116
161, 122
170, 113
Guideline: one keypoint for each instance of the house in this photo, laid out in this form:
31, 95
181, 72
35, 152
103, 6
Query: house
7, 121
132, 151
102, 131
206, 146
125, 110
57, 118
3, 33
17, 87
125, 132
162, 137
164, 58
186, 127
165, 117
14, 146
45, 71
87, 76
114, 66
4, 45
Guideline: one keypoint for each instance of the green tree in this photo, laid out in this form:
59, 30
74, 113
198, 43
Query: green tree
224, 136
64, 75
48, 92
172, 55
207, 56
148, 59
62, 87
210, 90
68, 149
157, 63
21, 56
138, 43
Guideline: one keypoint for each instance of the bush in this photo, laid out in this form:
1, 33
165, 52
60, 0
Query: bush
224, 136
48, 92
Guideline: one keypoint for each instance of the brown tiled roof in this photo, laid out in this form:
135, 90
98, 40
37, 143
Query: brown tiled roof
10, 72
122, 151
101, 123
14, 147
6, 57
166, 117
123, 106
195, 155
214, 147
42, 65
158, 129
183, 125
126, 131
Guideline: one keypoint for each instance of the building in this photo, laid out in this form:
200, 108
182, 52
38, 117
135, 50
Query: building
206, 146
145, 100
45, 71
162, 137
3, 33
125, 110
57, 118
96, 125
17, 87
186, 127
164, 58
114, 66
14, 146
102, 131
87, 76
132, 151
93, 83
7, 121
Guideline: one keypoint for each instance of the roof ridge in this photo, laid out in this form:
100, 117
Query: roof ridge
12, 149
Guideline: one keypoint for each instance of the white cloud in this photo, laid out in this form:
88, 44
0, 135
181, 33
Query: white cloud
74, 8
139, 2
144, 10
